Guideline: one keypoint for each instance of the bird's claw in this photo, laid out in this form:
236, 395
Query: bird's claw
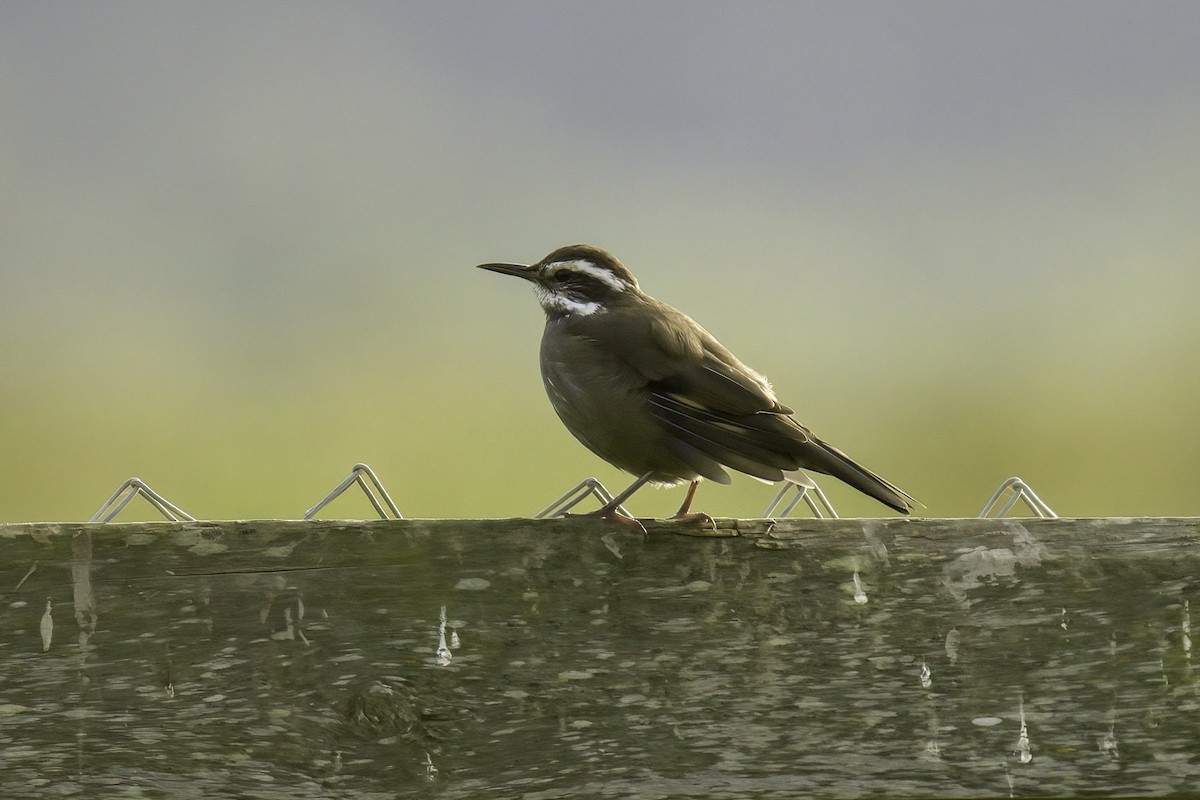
614, 516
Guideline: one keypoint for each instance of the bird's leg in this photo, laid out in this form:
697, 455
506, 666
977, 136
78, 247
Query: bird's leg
687, 500
693, 516
610, 511
611, 506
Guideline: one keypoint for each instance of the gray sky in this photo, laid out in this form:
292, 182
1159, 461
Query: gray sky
483, 117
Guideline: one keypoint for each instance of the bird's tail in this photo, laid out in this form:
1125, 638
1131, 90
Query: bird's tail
822, 457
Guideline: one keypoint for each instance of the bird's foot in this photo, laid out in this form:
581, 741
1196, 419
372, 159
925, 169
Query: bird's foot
630, 523
694, 516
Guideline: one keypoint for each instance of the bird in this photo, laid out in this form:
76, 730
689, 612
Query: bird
646, 388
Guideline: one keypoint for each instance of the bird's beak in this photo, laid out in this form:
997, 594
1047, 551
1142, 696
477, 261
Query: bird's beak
520, 270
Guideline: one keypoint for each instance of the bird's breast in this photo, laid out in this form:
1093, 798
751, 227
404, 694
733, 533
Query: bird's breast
602, 401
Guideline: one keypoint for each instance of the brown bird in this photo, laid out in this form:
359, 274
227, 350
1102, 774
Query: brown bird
647, 389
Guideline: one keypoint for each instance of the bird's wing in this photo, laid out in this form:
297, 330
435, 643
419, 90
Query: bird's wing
680, 358
705, 396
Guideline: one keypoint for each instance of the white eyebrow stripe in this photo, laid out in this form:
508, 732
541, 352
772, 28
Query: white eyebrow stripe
588, 268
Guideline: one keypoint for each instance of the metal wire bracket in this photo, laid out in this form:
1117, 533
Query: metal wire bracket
816, 499
588, 487
1020, 491
356, 475
130, 489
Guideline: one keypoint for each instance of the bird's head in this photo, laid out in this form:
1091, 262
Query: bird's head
576, 279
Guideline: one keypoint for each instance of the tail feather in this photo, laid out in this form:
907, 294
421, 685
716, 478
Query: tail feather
766, 445
826, 458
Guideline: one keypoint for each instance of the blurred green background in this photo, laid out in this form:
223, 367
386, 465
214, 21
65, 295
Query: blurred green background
237, 242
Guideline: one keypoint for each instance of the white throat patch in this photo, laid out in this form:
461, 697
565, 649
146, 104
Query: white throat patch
552, 301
